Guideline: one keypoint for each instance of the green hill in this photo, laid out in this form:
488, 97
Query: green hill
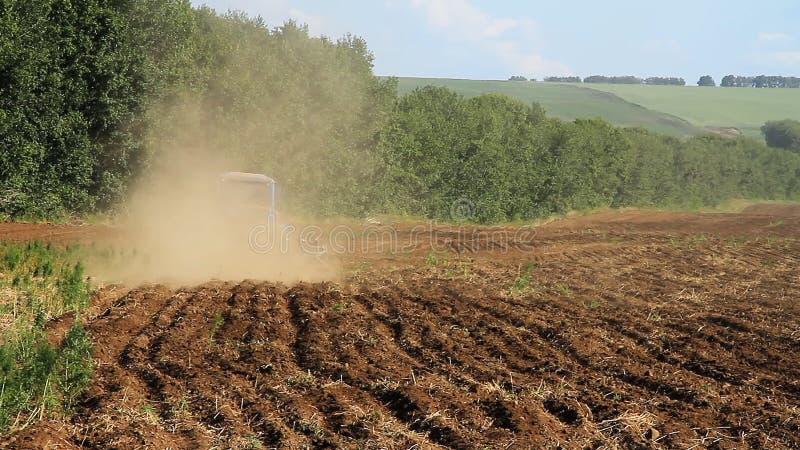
742, 108
565, 101
674, 110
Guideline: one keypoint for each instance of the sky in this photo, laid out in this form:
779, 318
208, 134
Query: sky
484, 39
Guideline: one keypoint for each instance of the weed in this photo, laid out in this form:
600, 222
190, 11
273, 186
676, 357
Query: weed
12, 257
310, 428
522, 283
698, 239
304, 380
149, 412
339, 306
594, 304
564, 289
44, 268
38, 378
182, 409
252, 443
432, 259
215, 324
74, 289
75, 364
775, 223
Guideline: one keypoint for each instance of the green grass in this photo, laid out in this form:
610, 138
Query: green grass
37, 378
673, 110
565, 101
742, 108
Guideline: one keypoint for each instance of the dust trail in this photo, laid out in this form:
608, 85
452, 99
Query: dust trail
181, 228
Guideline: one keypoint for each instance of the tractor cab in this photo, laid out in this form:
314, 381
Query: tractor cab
247, 196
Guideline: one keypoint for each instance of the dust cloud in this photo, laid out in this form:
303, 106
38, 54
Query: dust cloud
179, 227
307, 118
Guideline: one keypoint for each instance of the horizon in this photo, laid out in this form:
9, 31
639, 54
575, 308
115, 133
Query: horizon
482, 40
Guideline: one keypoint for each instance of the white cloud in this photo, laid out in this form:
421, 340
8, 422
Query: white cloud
527, 62
787, 58
772, 37
462, 20
511, 39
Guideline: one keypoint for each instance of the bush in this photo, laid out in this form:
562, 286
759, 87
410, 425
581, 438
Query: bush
783, 134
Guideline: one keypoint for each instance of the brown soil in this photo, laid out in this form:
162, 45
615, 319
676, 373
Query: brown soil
636, 330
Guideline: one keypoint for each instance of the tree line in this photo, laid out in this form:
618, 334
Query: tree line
761, 81
563, 79
629, 79
93, 93
513, 162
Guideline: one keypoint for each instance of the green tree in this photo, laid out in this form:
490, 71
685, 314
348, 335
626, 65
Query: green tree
706, 80
728, 81
783, 134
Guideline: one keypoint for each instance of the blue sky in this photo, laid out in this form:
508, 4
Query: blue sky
484, 39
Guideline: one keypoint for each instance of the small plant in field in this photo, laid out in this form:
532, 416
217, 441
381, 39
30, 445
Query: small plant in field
522, 283
564, 289
253, 443
75, 364
304, 380
215, 324
12, 257
698, 239
73, 287
182, 409
339, 306
732, 243
150, 412
594, 304
44, 268
432, 259
310, 428
654, 316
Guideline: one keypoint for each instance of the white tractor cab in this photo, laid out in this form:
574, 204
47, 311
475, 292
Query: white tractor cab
249, 197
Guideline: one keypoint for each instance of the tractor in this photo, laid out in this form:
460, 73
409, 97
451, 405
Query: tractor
248, 198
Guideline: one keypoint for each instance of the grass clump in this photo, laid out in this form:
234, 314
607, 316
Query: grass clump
38, 378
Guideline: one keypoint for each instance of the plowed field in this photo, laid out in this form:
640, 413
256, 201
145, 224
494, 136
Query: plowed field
614, 330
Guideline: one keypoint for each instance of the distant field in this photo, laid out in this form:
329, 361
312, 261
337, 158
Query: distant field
746, 109
674, 110
564, 101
